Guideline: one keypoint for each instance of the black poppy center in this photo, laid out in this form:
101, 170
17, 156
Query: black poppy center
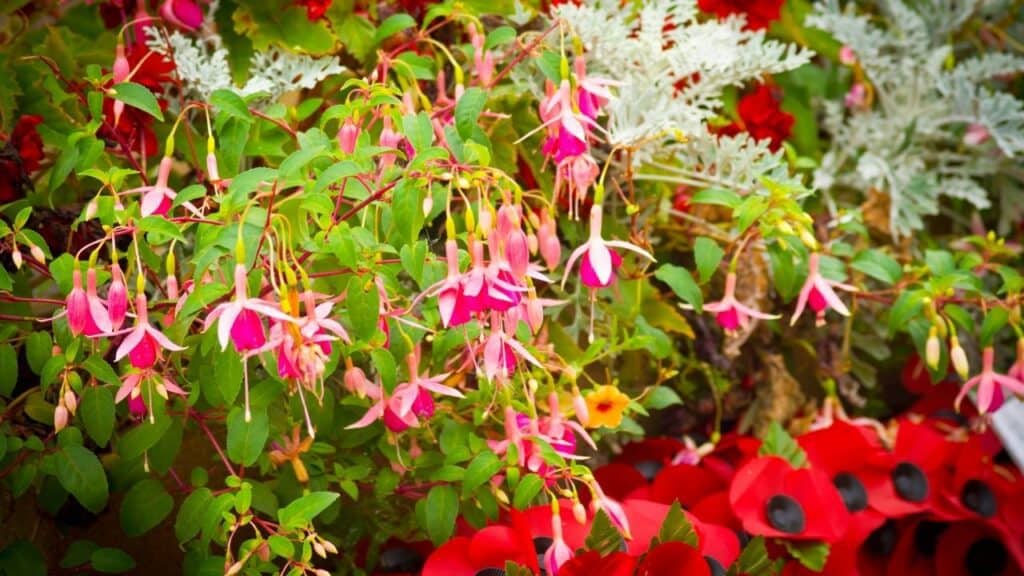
977, 497
882, 539
716, 568
490, 572
399, 559
910, 482
648, 468
852, 490
986, 557
785, 514
926, 538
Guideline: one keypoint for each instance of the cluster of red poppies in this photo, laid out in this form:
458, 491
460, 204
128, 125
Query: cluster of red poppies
920, 495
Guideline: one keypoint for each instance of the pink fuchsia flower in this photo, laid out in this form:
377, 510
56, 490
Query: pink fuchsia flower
612, 508
502, 352
574, 176
409, 396
131, 389
121, 72
184, 14
593, 92
819, 292
85, 311
451, 303
117, 297
729, 312
483, 60
348, 135
847, 56
857, 97
559, 552
357, 383
239, 320
599, 261
548, 244
143, 343
989, 384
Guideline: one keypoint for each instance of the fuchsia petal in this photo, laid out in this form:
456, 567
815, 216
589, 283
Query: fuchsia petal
986, 391
601, 263
801, 301
965, 389
227, 320
130, 342
164, 342
372, 415
825, 288
247, 331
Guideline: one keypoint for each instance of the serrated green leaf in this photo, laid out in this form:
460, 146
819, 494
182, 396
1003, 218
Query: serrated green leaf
96, 409
878, 265
160, 225
138, 96
363, 303
995, 319
101, 370
813, 555
778, 442
527, 490
468, 110
676, 528
604, 538
718, 197
190, 515
393, 25
659, 397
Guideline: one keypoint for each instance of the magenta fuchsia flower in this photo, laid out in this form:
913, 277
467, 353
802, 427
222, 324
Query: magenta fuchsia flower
599, 262
592, 93
143, 343
990, 384
574, 176
184, 14
483, 60
819, 292
559, 552
348, 135
117, 298
158, 197
239, 320
1017, 369
548, 244
131, 388
729, 312
410, 394
85, 311
502, 352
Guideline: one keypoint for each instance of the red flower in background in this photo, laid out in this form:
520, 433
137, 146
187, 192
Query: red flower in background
776, 500
759, 13
152, 70
315, 9
20, 157
762, 117
674, 559
593, 564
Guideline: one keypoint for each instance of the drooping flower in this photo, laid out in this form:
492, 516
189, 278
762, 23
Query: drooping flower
599, 261
85, 310
184, 14
407, 394
729, 312
559, 552
348, 134
605, 407
989, 384
612, 508
819, 292
143, 343
239, 320
117, 297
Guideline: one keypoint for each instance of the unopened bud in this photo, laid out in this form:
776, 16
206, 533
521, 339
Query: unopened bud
579, 405
37, 253
71, 401
959, 358
60, 418
16, 257
579, 512
319, 549
932, 349
428, 205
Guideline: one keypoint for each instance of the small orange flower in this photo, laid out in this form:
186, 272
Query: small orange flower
292, 451
606, 405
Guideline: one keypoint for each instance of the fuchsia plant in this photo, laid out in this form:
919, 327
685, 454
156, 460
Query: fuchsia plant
380, 256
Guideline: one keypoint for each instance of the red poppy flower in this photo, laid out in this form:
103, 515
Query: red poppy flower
489, 548
978, 488
619, 480
906, 480
674, 559
731, 452
914, 553
593, 564
685, 483
762, 117
715, 508
973, 548
847, 468
759, 13
937, 405
842, 561
21, 156
774, 499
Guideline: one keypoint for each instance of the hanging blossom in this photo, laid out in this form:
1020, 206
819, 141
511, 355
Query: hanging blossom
819, 292
990, 384
730, 313
143, 343
410, 400
85, 310
598, 260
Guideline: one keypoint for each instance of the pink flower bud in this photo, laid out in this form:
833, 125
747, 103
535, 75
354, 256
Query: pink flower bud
517, 251
37, 253
117, 298
486, 222
550, 247
70, 401
579, 405
60, 418
357, 383
975, 135
579, 512
16, 257
212, 172
508, 220
428, 205
182, 13
77, 304
856, 98
847, 56
534, 314
347, 136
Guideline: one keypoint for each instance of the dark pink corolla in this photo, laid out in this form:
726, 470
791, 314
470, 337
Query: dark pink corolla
143, 343
819, 293
117, 298
599, 261
184, 14
239, 320
730, 313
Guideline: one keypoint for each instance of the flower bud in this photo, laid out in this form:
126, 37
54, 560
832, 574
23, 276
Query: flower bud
319, 549
77, 304
70, 401
60, 418
579, 405
348, 134
847, 56
532, 243
517, 251
959, 358
428, 205
579, 512
117, 297
16, 257
534, 314
933, 352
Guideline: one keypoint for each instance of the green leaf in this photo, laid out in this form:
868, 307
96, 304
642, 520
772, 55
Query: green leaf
302, 511
682, 284
144, 507
101, 370
8, 369
281, 546
363, 302
138, 96
940, 262
190, 515
112, 561
333, 173
442, 507
384, 364
906, 306
778, 442
676, 528
407, 211
393, 25
994, 321
813, 555
500, 35
38, 350
604, 537
162, 226
480, 470
80, 473
418, 130
527, 490
752, 208
718, 197
21, 558
295, 164
246, 439
96, 409
878, 265
78, 553
189, 193
754, 560
468, 110
232, 104
658, 397
708, 255
141, 438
